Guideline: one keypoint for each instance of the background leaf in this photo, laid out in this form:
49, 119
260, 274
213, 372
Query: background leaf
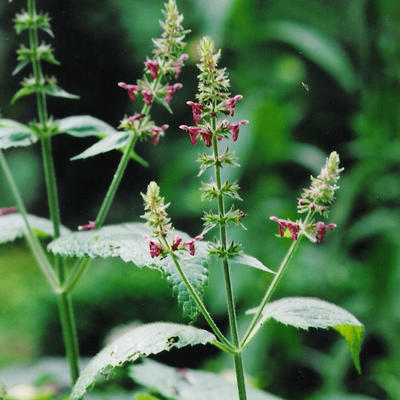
84, 125
112, 142
14, 134
12, 227
304, 313
188, 384
251, 261
139, 342
127, 242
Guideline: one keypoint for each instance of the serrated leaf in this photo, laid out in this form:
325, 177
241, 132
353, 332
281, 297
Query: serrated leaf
112, 142
14, 134
12, 227
188, 384
127, 242
56, 91
305, 313
251, 261
139, 342
84, 126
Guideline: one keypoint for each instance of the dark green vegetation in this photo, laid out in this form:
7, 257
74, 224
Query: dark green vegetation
348, 56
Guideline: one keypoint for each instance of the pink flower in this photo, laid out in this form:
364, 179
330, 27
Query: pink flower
190, 244
206, 136
177, 241
171, 90
8, 210
155, 249
157, 130
321, 229
177, 64
230, 104
283, 224
88, 227
147, 97
234, 128
197, 109
153, 68
134, 118
132, 89
194, 131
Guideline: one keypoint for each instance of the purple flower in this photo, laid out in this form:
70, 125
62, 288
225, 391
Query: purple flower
153, 68
177, 64
171, 90
177, 241
197, 109
234, 128
321, 229
155, 249
88, 227
134, 118
230, 104
132, 89
8, 210
190, 244
147, 97
283, 224
194, 131
157, 130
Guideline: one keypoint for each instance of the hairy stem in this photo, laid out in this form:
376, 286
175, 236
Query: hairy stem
199, 302
32, 240
64, 301
228, 283
253, 328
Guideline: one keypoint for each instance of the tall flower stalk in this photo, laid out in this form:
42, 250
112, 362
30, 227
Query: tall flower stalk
213, 103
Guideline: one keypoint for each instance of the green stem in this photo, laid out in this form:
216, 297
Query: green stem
33, 242
251, 331
228, 282
64, 301
199, 302
81, 265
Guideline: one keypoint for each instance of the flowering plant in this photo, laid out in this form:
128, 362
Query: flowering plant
182, 260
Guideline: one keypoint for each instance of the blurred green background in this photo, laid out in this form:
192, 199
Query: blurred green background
348, 55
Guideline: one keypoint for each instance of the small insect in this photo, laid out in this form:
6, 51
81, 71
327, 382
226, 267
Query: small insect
305, 87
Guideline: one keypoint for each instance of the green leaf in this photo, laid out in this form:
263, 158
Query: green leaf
251, 261
84, 125
56, 91
304, 313
14, 134
146, 396
161, 101
12, 227
345, 396
139, 342
24, 91
21, 65
127, 242
320, 49
188, 384
112, 142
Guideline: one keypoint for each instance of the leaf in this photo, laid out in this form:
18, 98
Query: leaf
251, 261
345, 396
127, 242
12, 227
56, 91
21, 65
14, 134
138, 342
188, 384
304, 313
24, 91
112, 142
84, 125
320, 49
